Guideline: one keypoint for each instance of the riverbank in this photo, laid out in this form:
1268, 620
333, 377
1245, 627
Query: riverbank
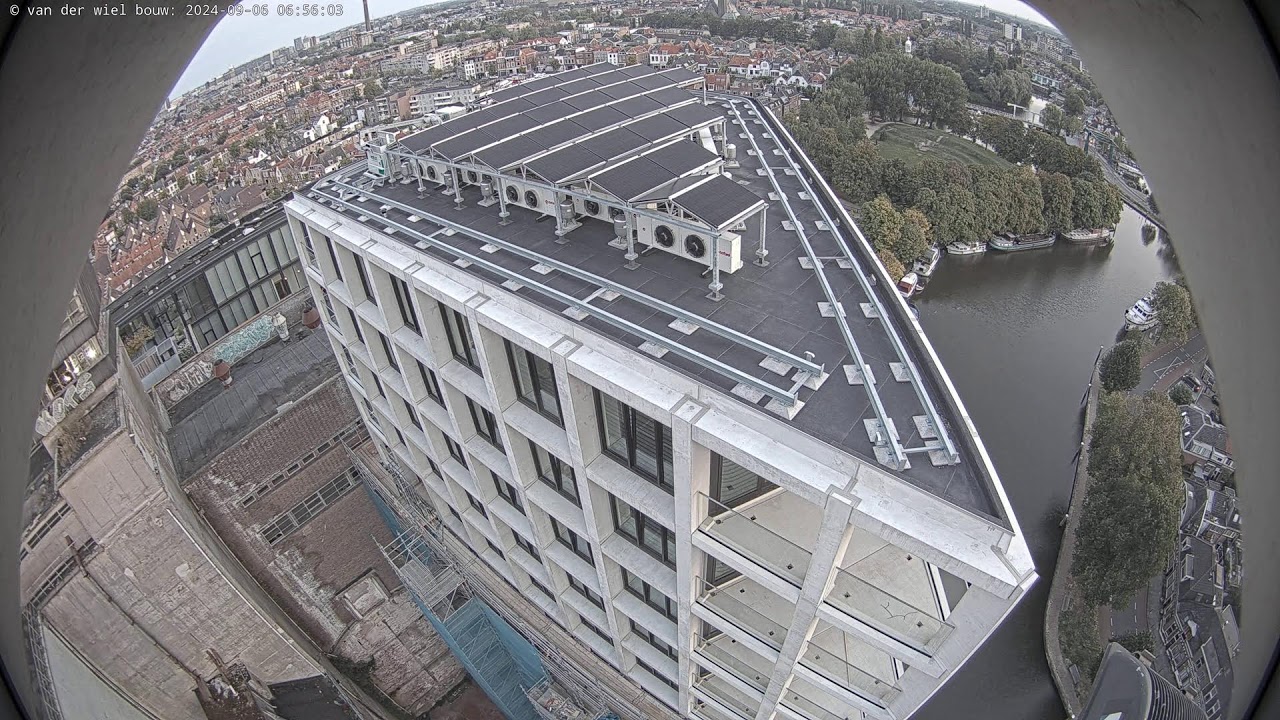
1061, 590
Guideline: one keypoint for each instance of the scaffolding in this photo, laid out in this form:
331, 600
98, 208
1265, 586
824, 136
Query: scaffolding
38, 660
508, 653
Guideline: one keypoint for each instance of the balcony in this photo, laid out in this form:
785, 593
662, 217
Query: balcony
728, 655
863, 672
772, 531
703, 710
750, 608
890, 590
723, 692
805, 700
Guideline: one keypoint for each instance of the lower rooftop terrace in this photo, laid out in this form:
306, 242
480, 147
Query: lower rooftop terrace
820, 305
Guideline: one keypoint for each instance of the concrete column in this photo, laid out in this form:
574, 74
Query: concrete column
688, 459
832, 539
631, 243
502, 206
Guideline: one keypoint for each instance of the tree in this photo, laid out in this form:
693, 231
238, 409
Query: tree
1180, 394
1122, 367
891, 264
1172, 304
147, 210
1026, 201
916, 236
1112, 203
1059, 195
1053, 119
372, 90
1073, 103
1086, 204
1130, 518
882, 223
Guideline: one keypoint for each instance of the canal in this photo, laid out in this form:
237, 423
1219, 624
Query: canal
1018, 333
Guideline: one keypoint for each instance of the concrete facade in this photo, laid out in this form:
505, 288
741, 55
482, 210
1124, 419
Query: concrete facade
849, 551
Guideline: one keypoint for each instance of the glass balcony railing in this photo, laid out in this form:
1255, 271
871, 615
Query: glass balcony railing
831, 666
722, 692
891, 615
741, 532
729, 655
804, 699
733, 602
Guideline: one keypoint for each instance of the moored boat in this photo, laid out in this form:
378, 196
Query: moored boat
909, 284
1142, 316
963, 247
927, 263
1086, 236
1008, 242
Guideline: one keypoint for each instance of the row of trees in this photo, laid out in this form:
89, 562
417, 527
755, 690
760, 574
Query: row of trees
779, 30
1015, 142
896, 84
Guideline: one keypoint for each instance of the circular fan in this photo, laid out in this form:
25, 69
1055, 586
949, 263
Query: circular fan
615, 213
695, 246
431, 172
664, 236
593, 207
513, 194
531, 198
471, 176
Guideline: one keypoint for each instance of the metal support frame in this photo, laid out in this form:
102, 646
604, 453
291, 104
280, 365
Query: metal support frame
631, 242
762, 252
917, 384
786, 397
882, 415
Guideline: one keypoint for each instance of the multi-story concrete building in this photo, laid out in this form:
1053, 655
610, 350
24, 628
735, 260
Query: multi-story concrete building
624, 343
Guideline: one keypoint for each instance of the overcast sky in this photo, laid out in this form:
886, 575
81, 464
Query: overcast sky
235, 40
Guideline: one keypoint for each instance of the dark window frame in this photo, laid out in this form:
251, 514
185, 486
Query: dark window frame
556, 474
494, 547
581, 588
543, 588
486, 425
595, 630
572, 540
663, 604
534, 395
476, 505
404, 299
365, 284
455, 450
529, 548
463, 348
507, 491
645, 527
656, 673
333, 255
656, 642
413, 414
717, 475
355, 322
389, 350
631, 418
431, 382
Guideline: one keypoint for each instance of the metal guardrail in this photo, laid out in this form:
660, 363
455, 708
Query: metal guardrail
786, 397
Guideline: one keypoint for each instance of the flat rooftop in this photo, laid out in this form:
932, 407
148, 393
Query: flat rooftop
212, 419
778, 304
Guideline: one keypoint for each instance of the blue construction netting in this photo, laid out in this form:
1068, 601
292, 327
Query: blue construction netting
498, 659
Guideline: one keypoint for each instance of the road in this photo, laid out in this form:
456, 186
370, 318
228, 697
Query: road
1162, 370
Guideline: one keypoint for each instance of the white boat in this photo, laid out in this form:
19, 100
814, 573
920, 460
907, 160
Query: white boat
976, 247
1083, 236
909, 284
927, 263
1142, 316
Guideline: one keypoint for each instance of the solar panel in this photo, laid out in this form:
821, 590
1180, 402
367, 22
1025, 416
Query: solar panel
716, 201
637, 70
694, 114
601, 118
681, 75
652, 82
425, 139
588, 100
558, 133
622, 90
637, 106
671, 96
632, 179
615, 143
657, 127
460, 145
471, 120
508, 127
682, 157
564, 164
510, 152
549, 113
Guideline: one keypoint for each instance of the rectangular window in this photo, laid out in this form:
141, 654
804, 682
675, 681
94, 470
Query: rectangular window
378, 384
528, 547
328, 306
430, 381
495, 548
308, 244
651, 597
535, 381
413, 414
540, 587
555, 472
333, 255
351, 366
597, 631
400, 436
460, 341
635, 440
434, 468
455, 450
386, 348
573, 541
364, 280
645, 532
289, 522
355, 323
653, 640
455, 514
507, 492
404, 299
486, 424
733, 485
475, 503
657, 674
586, 592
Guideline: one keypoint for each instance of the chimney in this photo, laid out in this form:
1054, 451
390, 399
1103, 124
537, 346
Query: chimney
368, 25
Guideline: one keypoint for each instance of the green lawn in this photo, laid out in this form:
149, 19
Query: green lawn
913, 144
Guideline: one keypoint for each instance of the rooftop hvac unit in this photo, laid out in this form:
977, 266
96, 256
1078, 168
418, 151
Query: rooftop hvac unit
591, 207
692, 245
731, 155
